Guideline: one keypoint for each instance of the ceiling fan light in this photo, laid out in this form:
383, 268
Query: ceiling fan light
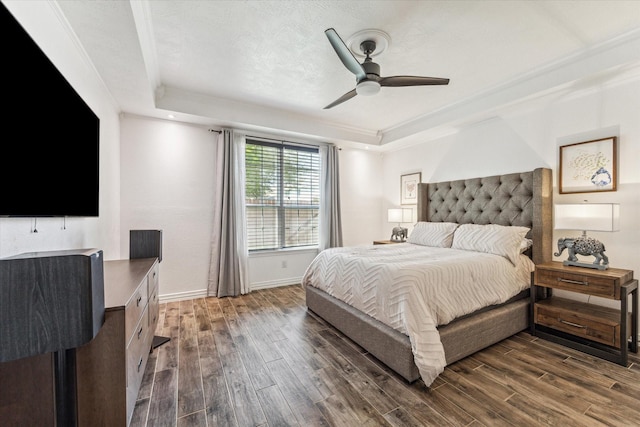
368, 88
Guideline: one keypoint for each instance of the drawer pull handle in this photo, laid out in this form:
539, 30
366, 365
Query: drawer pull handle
139, 332
139, 364
138, 300
575, 325
574, 282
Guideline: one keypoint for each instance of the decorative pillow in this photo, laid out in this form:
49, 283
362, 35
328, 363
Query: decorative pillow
435, 234
525, 245
491, 238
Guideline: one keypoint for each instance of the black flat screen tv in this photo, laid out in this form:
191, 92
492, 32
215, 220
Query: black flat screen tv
49, 151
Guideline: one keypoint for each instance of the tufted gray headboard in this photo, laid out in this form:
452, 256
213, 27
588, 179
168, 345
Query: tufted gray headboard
523, 199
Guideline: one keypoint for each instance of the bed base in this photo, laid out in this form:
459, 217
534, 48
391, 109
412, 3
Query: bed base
460, 338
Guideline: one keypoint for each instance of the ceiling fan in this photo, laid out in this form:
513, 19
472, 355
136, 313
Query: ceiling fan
368, 80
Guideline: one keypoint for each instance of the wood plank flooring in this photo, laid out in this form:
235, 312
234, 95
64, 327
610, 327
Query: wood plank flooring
263, 360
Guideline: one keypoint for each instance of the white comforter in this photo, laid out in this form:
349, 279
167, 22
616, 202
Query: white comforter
414, 288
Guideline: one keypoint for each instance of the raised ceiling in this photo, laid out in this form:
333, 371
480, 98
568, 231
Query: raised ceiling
267, 65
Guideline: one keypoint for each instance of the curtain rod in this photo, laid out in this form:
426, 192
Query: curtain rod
282, 141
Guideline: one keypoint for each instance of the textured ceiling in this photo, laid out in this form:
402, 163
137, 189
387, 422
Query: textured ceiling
267, 65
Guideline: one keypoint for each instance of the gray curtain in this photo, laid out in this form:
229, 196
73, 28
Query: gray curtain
330, 217
228, 266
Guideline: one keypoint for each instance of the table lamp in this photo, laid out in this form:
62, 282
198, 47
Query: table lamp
586, 217
398, 216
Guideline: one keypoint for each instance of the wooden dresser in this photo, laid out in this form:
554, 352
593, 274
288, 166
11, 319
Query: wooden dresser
109, 368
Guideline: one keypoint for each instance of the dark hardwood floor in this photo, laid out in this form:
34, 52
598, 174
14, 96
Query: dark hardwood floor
263, 360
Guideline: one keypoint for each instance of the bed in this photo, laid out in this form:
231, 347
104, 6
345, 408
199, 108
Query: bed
513, 201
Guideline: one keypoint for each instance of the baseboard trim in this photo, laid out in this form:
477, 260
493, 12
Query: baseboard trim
275, 283
202, 293
179, 296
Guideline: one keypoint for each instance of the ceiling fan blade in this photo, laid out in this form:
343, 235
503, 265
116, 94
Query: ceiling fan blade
412, 81
345, 54
347, 96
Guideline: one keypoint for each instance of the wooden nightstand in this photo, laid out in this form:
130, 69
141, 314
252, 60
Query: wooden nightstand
385, 242
593, 329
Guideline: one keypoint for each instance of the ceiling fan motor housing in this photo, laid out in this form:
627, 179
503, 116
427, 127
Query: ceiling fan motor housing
369, 85
370, 68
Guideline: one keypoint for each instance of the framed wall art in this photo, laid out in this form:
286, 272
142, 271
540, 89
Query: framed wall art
409, 188
587, 167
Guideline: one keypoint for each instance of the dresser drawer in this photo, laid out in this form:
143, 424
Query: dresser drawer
154, 311
138, 352
153, 278
134, 308
588, 321
607, 287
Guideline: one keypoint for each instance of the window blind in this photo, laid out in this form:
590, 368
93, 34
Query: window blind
282, 195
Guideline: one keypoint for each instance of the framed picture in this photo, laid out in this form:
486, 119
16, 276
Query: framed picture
409, 188
587, 167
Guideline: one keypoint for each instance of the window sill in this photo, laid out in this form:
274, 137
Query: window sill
271, 252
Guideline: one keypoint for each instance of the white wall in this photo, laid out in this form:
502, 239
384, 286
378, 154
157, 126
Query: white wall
361, 192
16, 235
277, 268
527, 136
167, 183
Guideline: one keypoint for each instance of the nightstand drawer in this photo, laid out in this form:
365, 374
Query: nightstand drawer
608, 287
595, 323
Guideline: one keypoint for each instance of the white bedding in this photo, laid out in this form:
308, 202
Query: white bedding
414, 288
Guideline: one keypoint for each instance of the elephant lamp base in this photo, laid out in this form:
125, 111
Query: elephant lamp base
399, 234
583, 246
587, 265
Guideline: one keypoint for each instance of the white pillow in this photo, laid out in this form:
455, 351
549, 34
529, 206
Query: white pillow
525, 245
435, 234
491, 238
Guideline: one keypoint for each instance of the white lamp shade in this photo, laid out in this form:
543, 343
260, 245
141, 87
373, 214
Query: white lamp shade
587, 216
399, 215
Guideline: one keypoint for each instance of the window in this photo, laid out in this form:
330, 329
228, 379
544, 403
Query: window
282, 195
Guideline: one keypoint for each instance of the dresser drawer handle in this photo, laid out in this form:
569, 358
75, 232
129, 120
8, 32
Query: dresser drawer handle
138, 300
139, 364
575, 325
574, 282
139, 332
